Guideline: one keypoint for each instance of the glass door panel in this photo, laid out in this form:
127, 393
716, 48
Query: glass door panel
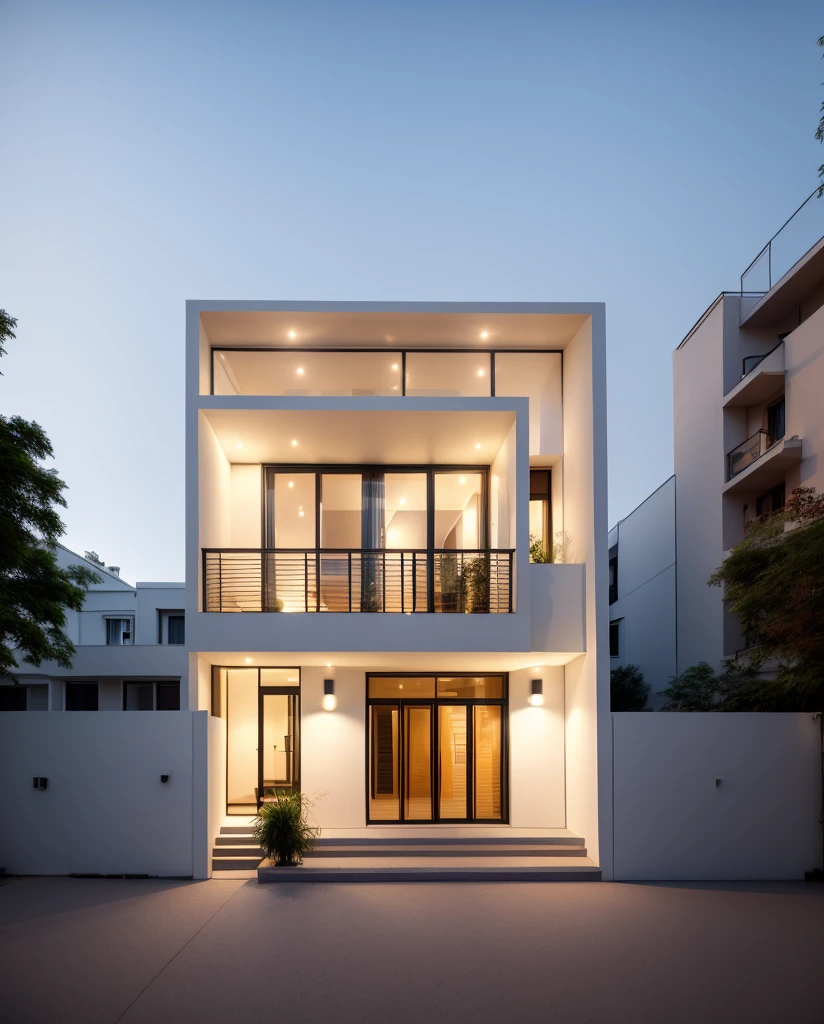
487, 761
417, 783
452, 761
384, 788
278, 749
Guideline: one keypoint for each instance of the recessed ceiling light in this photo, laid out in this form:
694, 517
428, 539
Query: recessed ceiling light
300, 371
328, 664
484, 335
480, 373
394, 366
403, 501
300, 514
240, 446
478, 445
463, 480
291, 483
294, 443
394, 387
292, 334
248, 661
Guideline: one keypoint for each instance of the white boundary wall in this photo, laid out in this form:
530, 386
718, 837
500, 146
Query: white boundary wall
105, 810
671, 821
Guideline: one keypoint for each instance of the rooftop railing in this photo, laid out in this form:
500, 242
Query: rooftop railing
355, 580
793, 240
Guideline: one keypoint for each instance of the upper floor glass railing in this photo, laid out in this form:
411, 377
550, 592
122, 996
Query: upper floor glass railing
793, 240
390, 374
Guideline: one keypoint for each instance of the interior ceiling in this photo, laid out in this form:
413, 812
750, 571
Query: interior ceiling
470, 661
359, 437
382, 330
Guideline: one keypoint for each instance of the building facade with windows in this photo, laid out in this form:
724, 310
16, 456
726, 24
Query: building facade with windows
365, 483
130, 644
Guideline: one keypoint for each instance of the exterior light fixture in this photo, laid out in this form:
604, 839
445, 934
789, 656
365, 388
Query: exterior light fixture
300, 371
330, 701
484, 335
536, 698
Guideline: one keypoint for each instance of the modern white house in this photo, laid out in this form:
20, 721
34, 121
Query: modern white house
365, 625
130, 644
642, 605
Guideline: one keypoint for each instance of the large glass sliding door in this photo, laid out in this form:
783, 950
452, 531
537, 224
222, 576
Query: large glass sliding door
436, 749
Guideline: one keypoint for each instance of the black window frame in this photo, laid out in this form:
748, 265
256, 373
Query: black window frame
154, 683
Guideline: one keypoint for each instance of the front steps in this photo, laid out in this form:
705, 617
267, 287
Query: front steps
457, 857
236, 849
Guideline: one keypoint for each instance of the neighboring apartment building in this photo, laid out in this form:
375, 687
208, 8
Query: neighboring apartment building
642, 610
363, 619
748, 382
130, 645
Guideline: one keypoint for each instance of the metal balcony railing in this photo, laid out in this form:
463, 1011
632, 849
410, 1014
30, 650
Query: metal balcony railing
745, 454
354, 580
793, 240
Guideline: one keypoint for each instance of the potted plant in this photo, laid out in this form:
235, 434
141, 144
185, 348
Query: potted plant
283, 831
475, 578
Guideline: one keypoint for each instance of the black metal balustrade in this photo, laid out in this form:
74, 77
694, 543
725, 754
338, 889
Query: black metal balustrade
354, 580
745, 454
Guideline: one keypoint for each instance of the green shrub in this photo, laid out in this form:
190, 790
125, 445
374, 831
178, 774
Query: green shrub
282, 829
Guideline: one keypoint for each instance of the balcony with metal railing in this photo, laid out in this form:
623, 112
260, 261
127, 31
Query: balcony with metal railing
356, 580
761, 462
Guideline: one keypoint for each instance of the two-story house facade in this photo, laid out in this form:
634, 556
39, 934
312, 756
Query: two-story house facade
364, 485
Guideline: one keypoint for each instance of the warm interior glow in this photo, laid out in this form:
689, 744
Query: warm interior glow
484, 334
480, 373
248, 661
292, 334
294, 444
291, 483
240, 446
300, 371
394, 366
478, 445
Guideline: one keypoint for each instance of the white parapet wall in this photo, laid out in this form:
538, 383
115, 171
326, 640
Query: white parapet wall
105, 809
716, 796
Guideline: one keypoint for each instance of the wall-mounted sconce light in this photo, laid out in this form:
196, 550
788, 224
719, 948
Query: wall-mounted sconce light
536, 698
40, 782
164, 778
330, 701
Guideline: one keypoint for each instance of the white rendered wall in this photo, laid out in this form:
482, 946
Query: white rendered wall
246, 506
536, 751
673, 822
646, 590
804, 388
503, 469
105, 810
587, 678
214, 494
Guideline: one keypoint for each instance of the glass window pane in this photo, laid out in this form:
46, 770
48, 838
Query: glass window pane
340, 510
407, 687
12, 697
139, 696
168, 696
405, 510
307, 373
417, 789
384, 787
452, 761
481, 687
81, 696
459, 512
279, 746
241, 738
536, 376
457, 374
487, 752
177, 629
294, 510
280, 677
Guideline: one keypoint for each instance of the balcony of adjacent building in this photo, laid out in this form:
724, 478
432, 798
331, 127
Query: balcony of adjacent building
762, 460
781, 279
762, 379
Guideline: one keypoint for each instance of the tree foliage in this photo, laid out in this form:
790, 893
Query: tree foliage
701, 688
774, 583
627, 689
34, 590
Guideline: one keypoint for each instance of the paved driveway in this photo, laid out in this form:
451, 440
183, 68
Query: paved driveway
89, 951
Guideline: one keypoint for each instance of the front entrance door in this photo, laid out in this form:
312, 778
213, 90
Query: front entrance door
436, 749
278, 742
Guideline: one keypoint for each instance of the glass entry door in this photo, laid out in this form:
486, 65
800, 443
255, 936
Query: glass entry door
436, 749
278, 742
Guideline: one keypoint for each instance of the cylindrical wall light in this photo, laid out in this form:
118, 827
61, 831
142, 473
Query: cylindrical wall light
330, 701
536, 698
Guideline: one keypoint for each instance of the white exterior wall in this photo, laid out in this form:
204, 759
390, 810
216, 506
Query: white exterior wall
105, 810
646, 590
673, 822
804, 388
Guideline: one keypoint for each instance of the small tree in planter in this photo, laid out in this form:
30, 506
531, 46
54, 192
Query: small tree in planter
283, 831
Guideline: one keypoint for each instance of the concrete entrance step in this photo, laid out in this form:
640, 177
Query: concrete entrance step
448, 850
435, 869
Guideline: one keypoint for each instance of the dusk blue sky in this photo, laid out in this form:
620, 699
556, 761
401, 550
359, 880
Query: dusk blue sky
638, 154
